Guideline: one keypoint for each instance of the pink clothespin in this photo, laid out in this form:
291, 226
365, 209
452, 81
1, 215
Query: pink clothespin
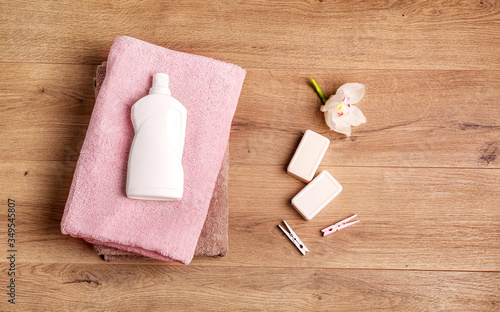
339, 226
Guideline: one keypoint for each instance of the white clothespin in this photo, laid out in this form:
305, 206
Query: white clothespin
294, 238
339, 226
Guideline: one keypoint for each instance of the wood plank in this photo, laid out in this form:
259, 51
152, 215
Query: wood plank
70, 287
45, 110
294, 34
415, 118
411, 218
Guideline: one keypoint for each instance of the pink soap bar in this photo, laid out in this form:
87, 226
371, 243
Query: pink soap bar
308, 156
316, 195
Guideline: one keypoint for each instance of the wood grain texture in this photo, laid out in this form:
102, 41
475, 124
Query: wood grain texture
377, 34
180, 288
411, 218
415, 117
422, 174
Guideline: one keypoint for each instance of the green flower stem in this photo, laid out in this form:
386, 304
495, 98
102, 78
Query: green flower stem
320, 93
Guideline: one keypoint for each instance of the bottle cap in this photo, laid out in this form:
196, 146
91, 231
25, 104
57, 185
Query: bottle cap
160, 84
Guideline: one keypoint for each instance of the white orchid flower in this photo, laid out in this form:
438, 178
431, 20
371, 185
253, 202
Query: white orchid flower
339, 109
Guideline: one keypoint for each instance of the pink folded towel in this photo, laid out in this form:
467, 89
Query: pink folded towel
97, 209
213, 239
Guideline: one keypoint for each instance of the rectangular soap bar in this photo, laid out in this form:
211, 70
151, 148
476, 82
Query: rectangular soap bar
316, 195
308, 156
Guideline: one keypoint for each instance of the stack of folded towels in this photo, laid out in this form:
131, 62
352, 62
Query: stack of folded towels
98, 210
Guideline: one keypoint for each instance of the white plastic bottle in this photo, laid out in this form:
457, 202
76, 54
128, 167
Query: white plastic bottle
155, 163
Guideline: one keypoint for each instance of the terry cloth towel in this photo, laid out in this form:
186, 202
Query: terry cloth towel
213, 239
97, 208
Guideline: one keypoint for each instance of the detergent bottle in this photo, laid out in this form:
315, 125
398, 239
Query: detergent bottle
155, 162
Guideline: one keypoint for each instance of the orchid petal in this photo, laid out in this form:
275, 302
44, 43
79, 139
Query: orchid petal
332, 102
356, 117
355, 91
338, 124
329, 120
345, 129
342, 121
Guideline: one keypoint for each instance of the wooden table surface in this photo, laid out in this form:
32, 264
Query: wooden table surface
423, 174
